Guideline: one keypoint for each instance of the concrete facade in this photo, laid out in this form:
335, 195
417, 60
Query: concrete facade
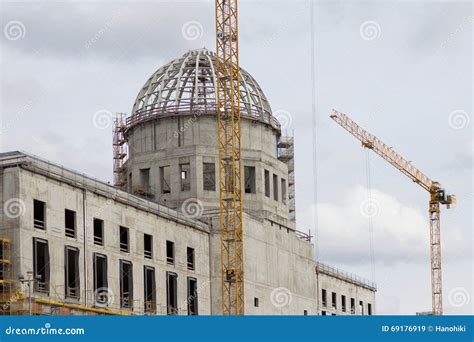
341, 293
61, 189
171, 142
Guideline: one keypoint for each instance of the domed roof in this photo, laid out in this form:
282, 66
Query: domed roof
187, 86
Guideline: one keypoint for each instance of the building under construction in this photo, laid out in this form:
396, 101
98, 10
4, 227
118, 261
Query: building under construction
151, 243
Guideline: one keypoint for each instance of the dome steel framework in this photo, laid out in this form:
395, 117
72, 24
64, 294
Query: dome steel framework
187, 86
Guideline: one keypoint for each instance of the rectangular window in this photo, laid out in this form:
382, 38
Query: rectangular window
41, 265
190, 258
98, 232
323, 313
324, 297
148, 246
192, 297
70, 223
126, 284
343, 303
267, 183
334, 300
255, 302
171, 293
275, 187
39, 214
71, 271
124, 239
209, 176
305, 312
145, 180
185, 177
170, 252
249, 179
165, 179
283, 191
181, 130
353, 306
150, 289
361, 307
369, 309
100, 279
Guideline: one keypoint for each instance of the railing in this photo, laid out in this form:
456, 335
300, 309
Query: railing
197, 110
303, 236
70, 232
124, 247
42, 287
98, 240
352, 278
147, 253
72, 292
38, 223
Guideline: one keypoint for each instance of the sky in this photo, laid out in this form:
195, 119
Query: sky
401, 69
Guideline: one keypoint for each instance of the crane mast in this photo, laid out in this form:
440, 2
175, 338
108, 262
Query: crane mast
230, 189
437, 196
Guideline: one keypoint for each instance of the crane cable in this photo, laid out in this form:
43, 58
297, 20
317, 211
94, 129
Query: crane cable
314, 210
370, 217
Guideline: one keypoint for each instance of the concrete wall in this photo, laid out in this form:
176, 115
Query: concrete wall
343, 288
279, 270
59, 196
193, 140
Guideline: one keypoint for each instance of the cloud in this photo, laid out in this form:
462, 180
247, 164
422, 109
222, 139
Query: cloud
111, 31
400, 232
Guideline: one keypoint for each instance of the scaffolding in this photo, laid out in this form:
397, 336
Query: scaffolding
286, 154
119, 150
10, 293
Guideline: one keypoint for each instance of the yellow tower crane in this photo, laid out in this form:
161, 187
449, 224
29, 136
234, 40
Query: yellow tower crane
230, 184
437, 196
